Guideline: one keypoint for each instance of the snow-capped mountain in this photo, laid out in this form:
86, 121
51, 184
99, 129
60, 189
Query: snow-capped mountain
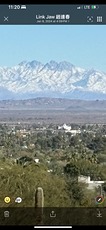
34, 79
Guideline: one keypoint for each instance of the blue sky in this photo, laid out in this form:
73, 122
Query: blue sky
82, 45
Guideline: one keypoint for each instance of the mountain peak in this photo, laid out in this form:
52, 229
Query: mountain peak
64, 65
52, 64
23, 63
34, 63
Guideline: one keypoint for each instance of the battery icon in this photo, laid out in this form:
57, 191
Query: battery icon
23, 7
93, 7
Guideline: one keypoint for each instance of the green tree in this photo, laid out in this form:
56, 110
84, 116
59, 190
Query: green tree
71, 169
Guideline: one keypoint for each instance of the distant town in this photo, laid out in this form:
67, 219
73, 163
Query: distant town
60, 149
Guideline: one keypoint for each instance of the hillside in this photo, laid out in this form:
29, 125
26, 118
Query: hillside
47, 103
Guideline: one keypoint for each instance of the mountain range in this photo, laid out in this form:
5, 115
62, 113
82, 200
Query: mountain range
57, 80
54, 104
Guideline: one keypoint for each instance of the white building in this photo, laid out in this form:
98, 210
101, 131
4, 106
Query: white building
50, 170
24, 147
90, 184
68, 129
73, 131
65, 127
36, 160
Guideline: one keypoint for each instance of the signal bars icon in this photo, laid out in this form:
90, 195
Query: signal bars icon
79, 7
23, 7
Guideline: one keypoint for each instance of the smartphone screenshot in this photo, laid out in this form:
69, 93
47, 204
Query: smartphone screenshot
53, 115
